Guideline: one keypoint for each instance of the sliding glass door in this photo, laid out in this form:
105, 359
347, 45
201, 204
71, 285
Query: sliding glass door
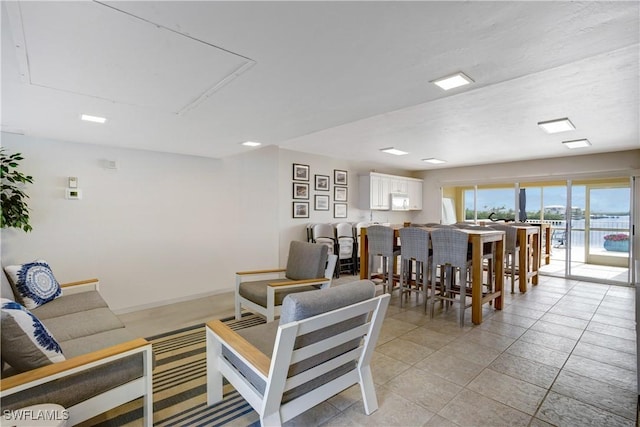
589, 222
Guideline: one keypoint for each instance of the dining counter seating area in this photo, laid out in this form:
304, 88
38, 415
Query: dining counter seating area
486, 278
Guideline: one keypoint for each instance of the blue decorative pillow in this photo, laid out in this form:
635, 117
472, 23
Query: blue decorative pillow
26, 343
33, 283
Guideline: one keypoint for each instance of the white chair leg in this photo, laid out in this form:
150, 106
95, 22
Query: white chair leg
238, 310
271, 304
272, 419
368, 390
214, 377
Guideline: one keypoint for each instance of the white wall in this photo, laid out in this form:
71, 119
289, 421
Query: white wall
616, 164
161, 228
294, 228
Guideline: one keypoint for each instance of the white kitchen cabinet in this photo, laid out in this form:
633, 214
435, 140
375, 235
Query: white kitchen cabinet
376, 190
415, 194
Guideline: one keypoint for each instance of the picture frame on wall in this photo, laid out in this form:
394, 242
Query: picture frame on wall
322, 182
339, 210
300, 210
321, 202
340, 194
300, 190
300, 172
339, 177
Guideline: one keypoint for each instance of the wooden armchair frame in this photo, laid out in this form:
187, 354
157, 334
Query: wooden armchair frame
274, 370
271, 310
140, 387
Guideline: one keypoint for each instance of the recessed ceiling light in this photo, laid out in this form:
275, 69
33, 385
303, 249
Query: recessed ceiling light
251, 144
434, 161
94, 119
393, 151
453, 81
557, 125
577, 143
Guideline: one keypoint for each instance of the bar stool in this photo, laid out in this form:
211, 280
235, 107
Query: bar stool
450, 252
414, 247
511, 250
381, 243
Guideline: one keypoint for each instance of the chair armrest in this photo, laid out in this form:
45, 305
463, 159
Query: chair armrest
244, 348
81, 286
73, 365
274, 270
317, 281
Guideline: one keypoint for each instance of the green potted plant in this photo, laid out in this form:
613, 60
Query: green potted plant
616, 242
15, 212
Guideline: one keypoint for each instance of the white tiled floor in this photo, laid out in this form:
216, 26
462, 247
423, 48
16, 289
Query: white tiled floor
564, 353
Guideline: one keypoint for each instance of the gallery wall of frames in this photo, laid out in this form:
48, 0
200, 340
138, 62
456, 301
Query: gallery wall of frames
317, 193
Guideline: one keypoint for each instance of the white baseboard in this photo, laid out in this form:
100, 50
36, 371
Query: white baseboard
156, 304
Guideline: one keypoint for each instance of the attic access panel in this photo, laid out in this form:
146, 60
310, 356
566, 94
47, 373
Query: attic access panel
91, 49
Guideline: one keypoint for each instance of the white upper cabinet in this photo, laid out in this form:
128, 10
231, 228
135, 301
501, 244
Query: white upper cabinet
415, 194
376, 190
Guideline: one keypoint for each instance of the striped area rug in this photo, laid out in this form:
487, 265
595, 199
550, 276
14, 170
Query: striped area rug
179, 386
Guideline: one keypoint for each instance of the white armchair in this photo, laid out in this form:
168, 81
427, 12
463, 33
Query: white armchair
322, 345
309, 267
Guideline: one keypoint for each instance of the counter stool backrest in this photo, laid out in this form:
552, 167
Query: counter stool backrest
449, 247
510, 238
414, 244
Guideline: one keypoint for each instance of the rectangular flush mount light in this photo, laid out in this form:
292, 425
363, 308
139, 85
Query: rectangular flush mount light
393, 151
251, 144
453, 81
557, 125
434, 161
94, 119
577, 143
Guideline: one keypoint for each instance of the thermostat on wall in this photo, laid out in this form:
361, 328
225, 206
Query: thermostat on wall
74, 194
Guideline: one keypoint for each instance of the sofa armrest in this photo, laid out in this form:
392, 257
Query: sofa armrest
237, 344
71, 366
81, 286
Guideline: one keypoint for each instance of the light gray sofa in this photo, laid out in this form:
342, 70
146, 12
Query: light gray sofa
105, 366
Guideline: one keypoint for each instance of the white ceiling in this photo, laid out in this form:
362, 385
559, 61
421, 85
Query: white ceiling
341, 79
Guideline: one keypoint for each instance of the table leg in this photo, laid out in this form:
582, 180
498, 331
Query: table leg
364, 255
523, 263
499, 274
537, 247
547, 244
476, 286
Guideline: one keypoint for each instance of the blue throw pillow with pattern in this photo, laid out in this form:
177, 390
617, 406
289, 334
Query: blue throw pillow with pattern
33, 283
26, 343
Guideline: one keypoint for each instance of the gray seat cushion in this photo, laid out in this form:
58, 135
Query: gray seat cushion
69, 304
257, 291
82, 324
98, 341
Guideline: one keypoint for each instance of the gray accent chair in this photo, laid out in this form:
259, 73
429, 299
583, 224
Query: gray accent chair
309, 267
322, 345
